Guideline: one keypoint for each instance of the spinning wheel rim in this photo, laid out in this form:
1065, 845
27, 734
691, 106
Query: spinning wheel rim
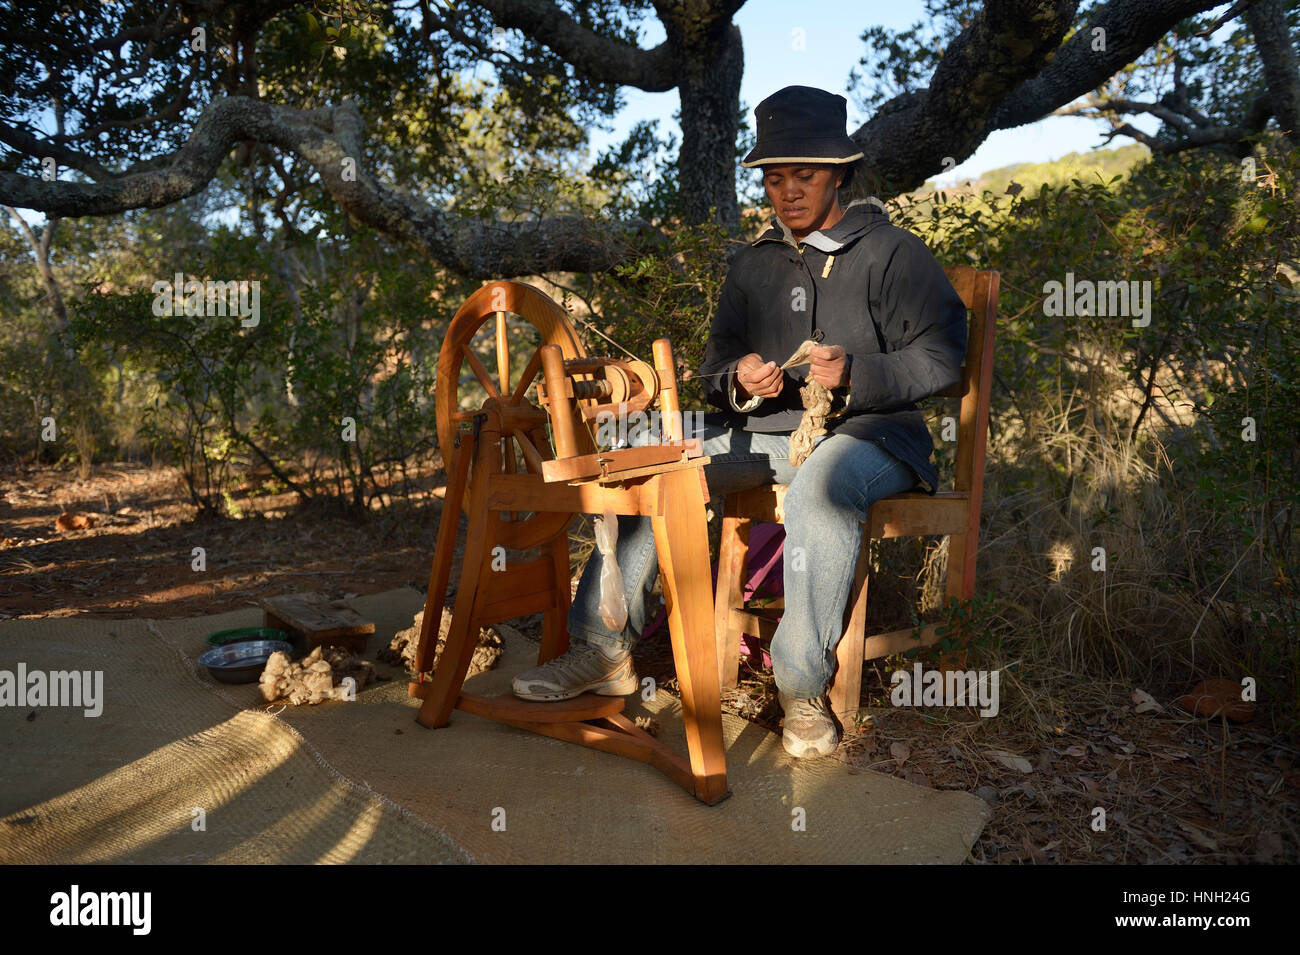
554, 328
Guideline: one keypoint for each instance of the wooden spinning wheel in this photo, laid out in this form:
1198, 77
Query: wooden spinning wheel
519, 507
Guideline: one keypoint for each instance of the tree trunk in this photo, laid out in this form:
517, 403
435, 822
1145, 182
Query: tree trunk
1267, 21
41, 253
710, 69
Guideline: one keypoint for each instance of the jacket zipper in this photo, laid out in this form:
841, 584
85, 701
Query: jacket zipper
807, 271
812, 287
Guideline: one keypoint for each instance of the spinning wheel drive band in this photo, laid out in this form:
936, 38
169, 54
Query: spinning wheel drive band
527, 431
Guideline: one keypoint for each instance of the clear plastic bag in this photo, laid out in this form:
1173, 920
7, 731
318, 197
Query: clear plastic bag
613, 598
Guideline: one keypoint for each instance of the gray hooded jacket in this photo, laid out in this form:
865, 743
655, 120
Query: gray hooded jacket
870, 287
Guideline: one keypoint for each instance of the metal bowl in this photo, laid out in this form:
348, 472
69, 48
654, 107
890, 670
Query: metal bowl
224, 637
241, 662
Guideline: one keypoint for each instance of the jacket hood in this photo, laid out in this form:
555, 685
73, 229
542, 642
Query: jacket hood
860, 217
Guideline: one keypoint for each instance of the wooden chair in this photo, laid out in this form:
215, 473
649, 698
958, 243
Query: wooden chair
955, 513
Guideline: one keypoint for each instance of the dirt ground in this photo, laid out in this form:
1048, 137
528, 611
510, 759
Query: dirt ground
1173, 787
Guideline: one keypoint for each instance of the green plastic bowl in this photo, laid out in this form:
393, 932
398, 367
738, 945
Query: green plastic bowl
225, 637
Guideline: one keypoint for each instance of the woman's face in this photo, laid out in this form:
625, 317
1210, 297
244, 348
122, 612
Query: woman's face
803, 195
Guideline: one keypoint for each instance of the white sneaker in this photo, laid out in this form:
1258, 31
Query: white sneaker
808, 729
582, 669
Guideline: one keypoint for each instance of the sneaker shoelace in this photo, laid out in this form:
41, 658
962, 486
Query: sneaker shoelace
566, 664
809, 707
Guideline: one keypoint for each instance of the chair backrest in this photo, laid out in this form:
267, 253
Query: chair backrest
979, 291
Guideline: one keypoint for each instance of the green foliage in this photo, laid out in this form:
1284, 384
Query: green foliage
641, 172
376, 369
349, 342
963, 625
640, 175
202, 366
1153, 468
40, 374
1101, 165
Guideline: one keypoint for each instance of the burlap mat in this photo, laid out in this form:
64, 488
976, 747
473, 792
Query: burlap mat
363, 782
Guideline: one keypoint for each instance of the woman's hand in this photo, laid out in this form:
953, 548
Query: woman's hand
829, 366
757, 377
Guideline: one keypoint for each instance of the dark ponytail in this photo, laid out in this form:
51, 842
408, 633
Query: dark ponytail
859, 182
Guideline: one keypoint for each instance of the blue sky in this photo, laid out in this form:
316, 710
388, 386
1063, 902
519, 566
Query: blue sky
832, 31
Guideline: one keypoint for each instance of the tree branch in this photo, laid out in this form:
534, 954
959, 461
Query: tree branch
600, 59
24, 142
1194, 135
1131, 27
1007, 68
1006, 43
41, 251
327, 138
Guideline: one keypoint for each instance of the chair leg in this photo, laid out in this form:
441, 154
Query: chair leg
961, 565
846, 687
732, 551
961, 585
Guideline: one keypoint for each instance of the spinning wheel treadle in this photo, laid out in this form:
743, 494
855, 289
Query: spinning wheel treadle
563, 472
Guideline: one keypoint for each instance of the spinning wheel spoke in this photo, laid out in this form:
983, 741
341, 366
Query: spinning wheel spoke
532, 457
480, 372
503, 355
530, 372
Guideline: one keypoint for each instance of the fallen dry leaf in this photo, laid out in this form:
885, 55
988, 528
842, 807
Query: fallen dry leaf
1011, 760
1144, 702
900, 752
74, 521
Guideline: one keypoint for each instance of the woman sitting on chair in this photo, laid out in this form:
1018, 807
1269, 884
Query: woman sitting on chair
892, 331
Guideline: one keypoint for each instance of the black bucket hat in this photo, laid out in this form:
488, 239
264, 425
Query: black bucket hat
802, 124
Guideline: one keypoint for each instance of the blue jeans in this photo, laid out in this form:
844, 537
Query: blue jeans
825, 506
